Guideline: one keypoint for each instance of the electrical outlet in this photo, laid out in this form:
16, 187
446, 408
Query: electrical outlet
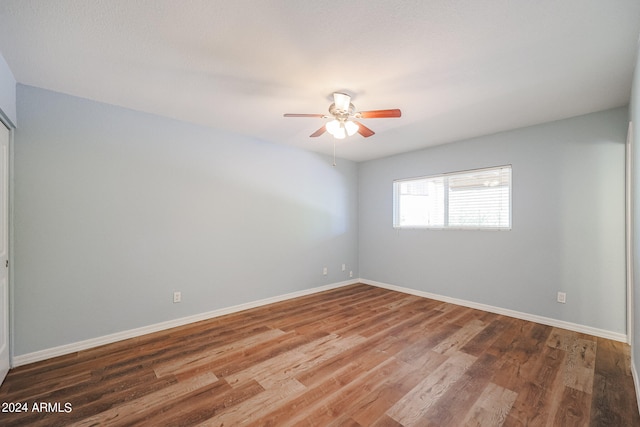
324, 271
177, 297
562, 297
351, 274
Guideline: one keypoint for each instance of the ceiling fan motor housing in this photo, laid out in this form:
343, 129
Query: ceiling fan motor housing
342, 114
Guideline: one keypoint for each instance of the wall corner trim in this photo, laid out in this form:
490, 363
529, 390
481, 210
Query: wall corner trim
602, 333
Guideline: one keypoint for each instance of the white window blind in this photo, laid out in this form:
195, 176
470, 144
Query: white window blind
473, 199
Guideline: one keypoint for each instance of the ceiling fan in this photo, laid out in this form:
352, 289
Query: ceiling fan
345, 118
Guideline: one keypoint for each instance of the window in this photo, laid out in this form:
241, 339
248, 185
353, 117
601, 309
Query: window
475, 199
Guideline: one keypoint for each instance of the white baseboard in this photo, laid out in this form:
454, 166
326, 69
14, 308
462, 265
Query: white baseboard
48, 353
37, 356
602, 333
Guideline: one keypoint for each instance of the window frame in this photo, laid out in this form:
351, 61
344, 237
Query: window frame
446, 226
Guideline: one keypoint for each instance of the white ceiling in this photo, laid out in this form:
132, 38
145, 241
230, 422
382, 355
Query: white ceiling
456, 69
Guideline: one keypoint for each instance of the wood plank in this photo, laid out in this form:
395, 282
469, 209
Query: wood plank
386, 421
580, 365
409, 410
253, 408
487, 336
333, 406
278, 365
317, 392
206, 358
359, 354
457, 400
574, 408
137, 409
455, 341
263, 352
613, 390
194, 409
491, 408
375, 404
539, 384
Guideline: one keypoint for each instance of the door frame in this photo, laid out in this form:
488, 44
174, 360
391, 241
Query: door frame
10, 187
629, 222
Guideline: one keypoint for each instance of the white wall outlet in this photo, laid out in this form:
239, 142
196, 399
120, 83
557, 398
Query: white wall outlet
351, 274
562, 297
324, 271
344, 267
177, 297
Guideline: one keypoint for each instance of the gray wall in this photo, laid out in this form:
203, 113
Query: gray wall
568, 223
116, 209
7, 92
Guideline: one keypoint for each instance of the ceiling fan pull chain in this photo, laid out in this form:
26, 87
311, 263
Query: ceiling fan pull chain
334, 152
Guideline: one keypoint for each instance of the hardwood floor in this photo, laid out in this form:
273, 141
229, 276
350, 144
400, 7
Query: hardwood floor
353, 356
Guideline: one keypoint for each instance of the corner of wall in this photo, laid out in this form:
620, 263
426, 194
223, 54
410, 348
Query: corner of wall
7, 94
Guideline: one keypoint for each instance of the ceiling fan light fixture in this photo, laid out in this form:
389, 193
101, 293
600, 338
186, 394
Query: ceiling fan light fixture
341, 133
333, 126
351, 127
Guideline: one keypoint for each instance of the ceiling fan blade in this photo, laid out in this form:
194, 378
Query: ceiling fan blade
341, 101
379, 114
363, 130
303, 115
318, 132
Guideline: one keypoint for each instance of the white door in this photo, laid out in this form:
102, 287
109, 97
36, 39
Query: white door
4, 252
